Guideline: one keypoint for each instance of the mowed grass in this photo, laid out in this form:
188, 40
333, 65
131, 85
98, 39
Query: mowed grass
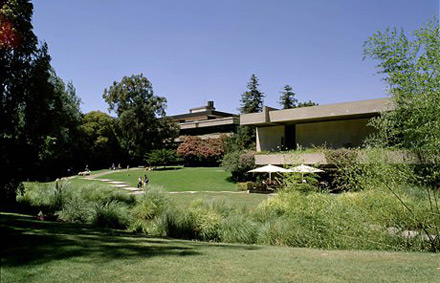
34, 251
234, 200
179, 178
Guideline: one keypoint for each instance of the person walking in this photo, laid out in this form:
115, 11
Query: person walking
146, 180
140, 182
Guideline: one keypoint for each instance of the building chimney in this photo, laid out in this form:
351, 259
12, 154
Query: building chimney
210, 105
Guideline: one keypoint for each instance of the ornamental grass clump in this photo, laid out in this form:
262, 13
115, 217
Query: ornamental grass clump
238, 228
76, 210
112, 214
148, 213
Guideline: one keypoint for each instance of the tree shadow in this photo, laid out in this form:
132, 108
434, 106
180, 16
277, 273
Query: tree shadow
167, 168
27, 241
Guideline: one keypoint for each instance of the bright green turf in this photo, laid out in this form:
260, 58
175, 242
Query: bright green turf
34, 251
180, 179
248, 201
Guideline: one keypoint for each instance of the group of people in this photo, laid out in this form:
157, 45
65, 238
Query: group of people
142, 182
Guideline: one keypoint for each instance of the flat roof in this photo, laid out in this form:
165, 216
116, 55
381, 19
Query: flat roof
202, 113
209, 123
328, 112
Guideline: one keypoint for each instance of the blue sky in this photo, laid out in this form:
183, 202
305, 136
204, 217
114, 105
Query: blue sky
194, 51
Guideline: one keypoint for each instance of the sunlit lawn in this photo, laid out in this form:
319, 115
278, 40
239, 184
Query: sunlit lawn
179, 179
34, 251
248, 201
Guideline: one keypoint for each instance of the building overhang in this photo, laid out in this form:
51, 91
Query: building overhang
210, 123
338, 111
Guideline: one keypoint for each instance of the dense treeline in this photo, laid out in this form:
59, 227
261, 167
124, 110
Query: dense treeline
43, 133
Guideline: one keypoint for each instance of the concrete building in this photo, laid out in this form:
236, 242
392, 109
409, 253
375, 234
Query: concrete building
333, 125
205, 122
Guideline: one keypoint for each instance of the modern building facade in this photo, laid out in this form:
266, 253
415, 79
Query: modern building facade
205, 122
341, 125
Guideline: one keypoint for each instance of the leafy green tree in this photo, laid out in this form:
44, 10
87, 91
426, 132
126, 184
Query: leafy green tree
287, 98
251, 102
33, 109
99, 140
62, 147
162, 157
141, 116
410, 66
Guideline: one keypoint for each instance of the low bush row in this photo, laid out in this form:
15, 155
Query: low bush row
370, 219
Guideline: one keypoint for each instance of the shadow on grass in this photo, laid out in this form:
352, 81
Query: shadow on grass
166, 168
27, 241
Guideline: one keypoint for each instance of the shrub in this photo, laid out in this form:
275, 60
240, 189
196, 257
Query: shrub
162, 157
238, 163
43, 198
196, 151
111, 215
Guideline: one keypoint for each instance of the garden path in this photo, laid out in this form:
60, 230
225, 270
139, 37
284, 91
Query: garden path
118, 184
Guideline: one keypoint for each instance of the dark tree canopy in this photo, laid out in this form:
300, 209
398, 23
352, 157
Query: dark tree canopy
287, 98
100, 143
141, 116
38, 114
306, 104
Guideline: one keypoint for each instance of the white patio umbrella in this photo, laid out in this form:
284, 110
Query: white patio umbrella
270, 169
305, 169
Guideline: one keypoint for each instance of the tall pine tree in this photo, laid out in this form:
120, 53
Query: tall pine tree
251, 102
252, 99
287, 98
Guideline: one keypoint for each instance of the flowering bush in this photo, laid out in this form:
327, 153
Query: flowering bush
196, 151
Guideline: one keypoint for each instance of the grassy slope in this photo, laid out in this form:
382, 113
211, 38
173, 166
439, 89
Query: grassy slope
182, 179
58, 252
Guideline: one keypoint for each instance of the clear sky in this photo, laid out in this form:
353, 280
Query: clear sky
199, 50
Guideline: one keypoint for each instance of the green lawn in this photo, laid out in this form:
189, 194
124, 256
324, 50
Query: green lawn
34, 251
179, 179
249, 201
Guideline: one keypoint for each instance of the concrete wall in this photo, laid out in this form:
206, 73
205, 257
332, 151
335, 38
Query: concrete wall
334, 134
269, 137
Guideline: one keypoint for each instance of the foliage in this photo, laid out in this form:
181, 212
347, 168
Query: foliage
38, 115
369, 219
141, 116
251, 102
111, 215
162, 157
287, 98
252, 99
411, 70
238, 163
306, 104
196, 151
148, 211
99, 137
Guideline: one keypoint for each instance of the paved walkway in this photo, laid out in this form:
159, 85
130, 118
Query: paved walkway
117, 184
